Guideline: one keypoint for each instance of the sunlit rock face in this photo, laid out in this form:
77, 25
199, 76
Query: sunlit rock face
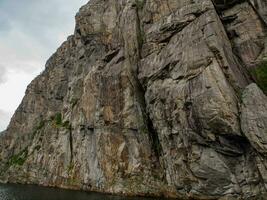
149, 97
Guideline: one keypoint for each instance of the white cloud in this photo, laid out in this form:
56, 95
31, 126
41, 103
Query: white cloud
30, 31
2, 74
4, 119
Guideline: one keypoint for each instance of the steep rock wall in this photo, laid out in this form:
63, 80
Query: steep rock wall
148, 97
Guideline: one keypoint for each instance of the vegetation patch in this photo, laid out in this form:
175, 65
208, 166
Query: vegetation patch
58, 119
140, 4
19, 159
70, 167
73, 181
260, 73
59, 123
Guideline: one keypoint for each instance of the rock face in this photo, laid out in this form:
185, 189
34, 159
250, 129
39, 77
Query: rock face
149, 97
254, 117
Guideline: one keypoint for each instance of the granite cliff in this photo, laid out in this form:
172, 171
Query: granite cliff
149, 97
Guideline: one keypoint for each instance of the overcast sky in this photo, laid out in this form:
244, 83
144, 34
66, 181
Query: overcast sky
30, 31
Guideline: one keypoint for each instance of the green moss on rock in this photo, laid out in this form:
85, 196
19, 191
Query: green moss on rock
58, 122
70, 167
260, 73
18, 159
58, 119
140, 4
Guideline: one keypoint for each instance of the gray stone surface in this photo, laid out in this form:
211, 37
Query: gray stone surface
148, 98
254, 117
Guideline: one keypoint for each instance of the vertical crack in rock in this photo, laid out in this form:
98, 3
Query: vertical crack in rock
153, 135
263, 20
71, 144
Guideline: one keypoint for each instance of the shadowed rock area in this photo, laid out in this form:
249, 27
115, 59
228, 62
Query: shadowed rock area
149, 98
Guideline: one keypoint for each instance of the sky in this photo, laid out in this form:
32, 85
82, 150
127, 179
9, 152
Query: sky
30, 32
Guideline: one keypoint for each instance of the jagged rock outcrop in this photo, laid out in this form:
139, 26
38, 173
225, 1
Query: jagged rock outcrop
149, 97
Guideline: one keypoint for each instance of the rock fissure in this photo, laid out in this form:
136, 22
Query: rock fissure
153, 135
71, 144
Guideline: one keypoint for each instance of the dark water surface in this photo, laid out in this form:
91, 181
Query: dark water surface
28, 192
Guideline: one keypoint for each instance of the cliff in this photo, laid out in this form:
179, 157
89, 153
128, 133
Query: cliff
149, 97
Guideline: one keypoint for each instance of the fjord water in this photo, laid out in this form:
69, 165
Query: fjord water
29, 192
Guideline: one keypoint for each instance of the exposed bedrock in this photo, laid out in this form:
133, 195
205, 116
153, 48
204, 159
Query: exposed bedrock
152, 98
